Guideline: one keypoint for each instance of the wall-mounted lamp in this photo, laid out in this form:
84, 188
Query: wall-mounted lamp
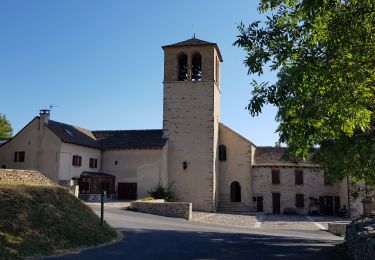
184, 165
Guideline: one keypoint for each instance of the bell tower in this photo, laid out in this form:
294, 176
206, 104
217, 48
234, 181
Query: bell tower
191, 120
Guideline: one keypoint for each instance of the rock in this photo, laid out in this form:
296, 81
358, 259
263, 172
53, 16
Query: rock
368, 228
362, 234
360, 238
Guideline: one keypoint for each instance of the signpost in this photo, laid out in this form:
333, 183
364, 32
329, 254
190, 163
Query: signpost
104, 193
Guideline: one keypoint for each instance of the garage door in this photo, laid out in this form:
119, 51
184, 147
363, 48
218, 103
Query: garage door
127, 191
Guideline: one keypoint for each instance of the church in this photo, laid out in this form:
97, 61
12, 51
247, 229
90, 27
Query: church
206, 162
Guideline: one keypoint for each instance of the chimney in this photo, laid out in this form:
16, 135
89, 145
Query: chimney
44, 116
277, 144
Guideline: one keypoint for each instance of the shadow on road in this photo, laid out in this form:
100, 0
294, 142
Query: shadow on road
160, 244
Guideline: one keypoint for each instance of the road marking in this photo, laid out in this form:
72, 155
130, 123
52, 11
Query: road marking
320, 226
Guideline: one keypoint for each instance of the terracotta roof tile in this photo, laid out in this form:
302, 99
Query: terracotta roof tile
268, 156
195, 42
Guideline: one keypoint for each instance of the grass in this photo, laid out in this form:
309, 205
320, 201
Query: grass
41, 220
147, 199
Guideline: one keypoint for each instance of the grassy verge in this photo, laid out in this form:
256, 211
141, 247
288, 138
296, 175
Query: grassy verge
39, 220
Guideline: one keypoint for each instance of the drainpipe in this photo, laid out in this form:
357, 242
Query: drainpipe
347, 182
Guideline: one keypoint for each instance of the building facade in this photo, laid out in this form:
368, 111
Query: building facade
207, 163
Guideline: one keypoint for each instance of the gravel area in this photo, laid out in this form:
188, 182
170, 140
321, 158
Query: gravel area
266, 221
287, 222
225, 219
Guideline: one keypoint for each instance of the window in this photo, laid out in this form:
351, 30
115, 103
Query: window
196, 67
300, 201
19, 156
299, 177
93, 163
67, 131
77, 160
96, 185
222, 153
182, 67
275, 176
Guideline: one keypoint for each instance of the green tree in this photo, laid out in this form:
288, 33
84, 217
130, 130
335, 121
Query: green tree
5, 127
324, 53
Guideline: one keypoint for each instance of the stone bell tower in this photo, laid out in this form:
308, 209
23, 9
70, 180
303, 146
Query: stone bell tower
190, 120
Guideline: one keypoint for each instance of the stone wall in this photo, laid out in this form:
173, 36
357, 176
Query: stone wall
313, 186
41, 147
191, 113
360, 238
24, 176
236, 167
167, 209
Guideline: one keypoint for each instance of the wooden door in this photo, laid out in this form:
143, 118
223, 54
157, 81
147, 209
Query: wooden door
126, 191
329, 205
259, 204
276, 203
337, 205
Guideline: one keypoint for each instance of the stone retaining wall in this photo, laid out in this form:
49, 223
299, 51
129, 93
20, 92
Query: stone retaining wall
360, 238
167, 209
338, 228
24, 176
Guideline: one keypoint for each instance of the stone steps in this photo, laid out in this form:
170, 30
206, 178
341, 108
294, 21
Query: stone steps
235, 207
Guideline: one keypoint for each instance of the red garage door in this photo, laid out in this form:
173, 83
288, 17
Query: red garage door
127, 191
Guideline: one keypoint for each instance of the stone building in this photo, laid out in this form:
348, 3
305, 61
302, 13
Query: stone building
208, 163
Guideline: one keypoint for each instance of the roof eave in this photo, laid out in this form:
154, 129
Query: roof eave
192, 45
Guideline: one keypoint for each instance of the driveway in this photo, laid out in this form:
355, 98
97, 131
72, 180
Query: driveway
155, 237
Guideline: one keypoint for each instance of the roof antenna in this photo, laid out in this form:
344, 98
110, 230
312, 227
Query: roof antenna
52, 106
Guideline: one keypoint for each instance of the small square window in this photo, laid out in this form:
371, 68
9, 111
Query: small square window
93, 163
19, 156
77, 160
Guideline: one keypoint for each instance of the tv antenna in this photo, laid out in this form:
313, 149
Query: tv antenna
52, 106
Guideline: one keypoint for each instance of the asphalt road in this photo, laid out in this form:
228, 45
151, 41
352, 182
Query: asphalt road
155, 237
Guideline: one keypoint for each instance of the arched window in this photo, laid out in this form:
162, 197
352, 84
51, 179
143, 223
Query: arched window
182, 67
235, 192
196, 67
222, 153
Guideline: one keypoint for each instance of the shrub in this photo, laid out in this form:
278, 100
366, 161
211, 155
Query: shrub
162, 192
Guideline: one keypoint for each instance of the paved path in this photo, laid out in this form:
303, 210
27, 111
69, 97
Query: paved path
267, 221
155, 237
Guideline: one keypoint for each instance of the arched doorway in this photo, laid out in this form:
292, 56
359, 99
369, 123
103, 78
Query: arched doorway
235, 192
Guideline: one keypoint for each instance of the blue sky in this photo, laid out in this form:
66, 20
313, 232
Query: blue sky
101, 62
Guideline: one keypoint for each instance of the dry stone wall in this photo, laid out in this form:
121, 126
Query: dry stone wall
167, 209
360, 238
24, 176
